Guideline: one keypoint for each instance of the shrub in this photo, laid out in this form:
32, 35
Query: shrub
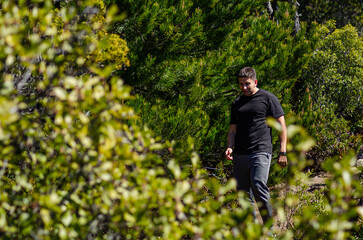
334, 212
328, 103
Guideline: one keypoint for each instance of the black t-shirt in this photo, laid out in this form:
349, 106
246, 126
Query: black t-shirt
250, 113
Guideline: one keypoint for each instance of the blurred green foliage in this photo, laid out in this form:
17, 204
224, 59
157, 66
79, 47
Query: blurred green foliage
333, 212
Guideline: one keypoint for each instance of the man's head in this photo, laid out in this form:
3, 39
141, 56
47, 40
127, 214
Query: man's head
248, 72
247, 81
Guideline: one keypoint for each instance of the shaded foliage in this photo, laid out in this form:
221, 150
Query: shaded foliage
343, 12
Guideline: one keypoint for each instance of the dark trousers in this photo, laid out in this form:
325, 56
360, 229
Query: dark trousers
251, 173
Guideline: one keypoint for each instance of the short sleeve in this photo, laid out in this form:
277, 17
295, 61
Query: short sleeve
275, 110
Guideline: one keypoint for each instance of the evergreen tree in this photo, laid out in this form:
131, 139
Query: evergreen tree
185, 55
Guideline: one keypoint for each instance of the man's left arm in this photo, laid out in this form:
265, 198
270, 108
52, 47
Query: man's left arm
282, 160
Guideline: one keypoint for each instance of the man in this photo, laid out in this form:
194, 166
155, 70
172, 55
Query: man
249, 139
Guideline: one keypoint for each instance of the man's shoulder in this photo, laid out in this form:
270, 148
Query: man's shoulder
237, 99
267, 94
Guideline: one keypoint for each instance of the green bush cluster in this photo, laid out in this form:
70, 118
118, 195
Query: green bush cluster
329, 101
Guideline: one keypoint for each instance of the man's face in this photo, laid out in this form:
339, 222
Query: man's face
247, 86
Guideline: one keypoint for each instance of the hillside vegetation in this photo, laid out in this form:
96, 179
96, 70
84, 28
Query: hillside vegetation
113, 119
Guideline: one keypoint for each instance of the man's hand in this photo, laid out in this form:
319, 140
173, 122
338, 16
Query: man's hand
228, 154
231, 137
282, 161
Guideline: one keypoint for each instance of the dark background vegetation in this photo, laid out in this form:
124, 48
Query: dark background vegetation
185, 56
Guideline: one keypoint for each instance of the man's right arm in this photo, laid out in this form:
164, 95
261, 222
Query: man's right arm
231, 139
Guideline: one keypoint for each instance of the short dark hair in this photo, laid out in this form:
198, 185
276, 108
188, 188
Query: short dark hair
248, 72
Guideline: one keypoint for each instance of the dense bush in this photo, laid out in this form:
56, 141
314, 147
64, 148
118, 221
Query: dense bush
328, 95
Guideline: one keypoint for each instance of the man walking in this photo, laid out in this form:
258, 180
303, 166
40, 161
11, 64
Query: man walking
249, 139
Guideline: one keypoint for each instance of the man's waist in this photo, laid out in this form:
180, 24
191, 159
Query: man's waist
242, 150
